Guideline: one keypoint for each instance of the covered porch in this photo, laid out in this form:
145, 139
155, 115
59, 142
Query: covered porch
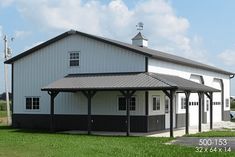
128, 84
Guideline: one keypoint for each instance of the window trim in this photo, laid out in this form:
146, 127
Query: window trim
121, 96
156, 96
184, 106
32, 110
79, 58
166, 98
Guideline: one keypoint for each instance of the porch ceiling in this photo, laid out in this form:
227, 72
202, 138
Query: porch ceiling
124, 81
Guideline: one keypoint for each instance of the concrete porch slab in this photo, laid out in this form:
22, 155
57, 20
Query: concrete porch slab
165, 133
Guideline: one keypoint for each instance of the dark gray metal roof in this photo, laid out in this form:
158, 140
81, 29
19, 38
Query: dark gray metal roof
137, 81
141, 50
182, 84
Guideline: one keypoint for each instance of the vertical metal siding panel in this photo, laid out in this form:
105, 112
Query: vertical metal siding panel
105, 103
51, 63
159, 66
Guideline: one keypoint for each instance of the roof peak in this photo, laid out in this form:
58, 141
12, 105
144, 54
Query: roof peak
139, 36
141, 50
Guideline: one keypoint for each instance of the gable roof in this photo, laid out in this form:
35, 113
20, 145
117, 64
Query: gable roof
141, 50
139, 36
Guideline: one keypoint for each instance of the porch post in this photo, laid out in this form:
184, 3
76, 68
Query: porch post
52, 94
187, 94
128, 94
89, 94
170, 95
200, 94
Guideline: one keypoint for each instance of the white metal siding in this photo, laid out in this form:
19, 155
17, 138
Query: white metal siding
103, 103
48, 64
164, 67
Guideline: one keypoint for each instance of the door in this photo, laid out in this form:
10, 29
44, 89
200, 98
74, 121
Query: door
167, 112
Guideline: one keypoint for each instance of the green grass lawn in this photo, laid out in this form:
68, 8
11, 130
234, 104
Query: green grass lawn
22, 143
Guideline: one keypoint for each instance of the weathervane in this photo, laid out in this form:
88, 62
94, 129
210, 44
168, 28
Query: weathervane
140, 26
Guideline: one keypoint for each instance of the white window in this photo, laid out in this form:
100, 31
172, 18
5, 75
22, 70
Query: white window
156, 103
32, 103
167, 104
183, 103
122, 103
74, 58
227, 102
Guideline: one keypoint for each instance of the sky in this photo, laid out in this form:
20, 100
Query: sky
200, 30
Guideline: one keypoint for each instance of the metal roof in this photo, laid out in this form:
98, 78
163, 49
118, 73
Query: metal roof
182, 83
141, 50
118, 81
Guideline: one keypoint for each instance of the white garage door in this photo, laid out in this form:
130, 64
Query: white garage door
217, 117
193, 103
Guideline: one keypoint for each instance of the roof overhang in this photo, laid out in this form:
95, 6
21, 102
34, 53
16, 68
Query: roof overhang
125, 81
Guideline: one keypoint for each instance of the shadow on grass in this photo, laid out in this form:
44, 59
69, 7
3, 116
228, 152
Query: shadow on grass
63, 132
5, 127
12, 129
38, 131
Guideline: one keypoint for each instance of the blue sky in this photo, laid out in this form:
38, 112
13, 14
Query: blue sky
200, 30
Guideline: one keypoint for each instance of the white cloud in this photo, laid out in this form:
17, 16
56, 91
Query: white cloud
20, 34
165, 30
5, 3
227, 57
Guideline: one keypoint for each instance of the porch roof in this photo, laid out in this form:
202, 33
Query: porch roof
124, 81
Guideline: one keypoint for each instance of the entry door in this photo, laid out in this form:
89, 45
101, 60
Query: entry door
207, 110
167, 112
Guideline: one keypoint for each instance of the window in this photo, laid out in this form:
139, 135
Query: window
207, 105
122, 103
167, 103
227, 102
32, 103
183, 103
73, 58
156, 103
